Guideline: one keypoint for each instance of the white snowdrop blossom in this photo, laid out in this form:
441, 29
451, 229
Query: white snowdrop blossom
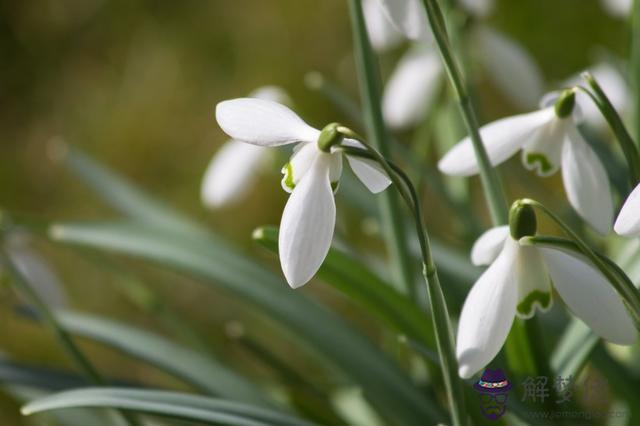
628, 221
548, 140
382, 33
311, 175
409, 17
518, 281
235, 167
617, 8
614, 86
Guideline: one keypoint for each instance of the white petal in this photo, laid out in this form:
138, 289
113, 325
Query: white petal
618, 8
382, 33
335, 170
543, 152
301, 161
534, 285
271, 93
262, 122
589, 296
370, 173
231, 173
412, 87
408, 16
501, 138
488, 313
586, 183
488, 246
307, 225
628, 221
510, 67
480, 8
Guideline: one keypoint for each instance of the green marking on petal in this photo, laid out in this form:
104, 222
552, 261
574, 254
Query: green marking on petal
335, 185
540, 161
287, 181
541, 298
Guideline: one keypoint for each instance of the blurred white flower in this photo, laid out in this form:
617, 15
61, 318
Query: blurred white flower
614, 86
480, 8
412, 87
520, 280
628, 221
509, 66
235, 167
409, 17
382, 33
547, 141
312, 175
617, 8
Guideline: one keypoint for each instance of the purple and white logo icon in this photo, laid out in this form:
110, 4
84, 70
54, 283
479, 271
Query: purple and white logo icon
493, 388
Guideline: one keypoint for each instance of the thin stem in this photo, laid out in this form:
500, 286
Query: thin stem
445, 341
635, 65
624, 287
377, 133
494, 194
608, 111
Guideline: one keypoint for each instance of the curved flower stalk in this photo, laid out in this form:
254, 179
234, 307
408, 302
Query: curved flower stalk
612, 83
519, 282
548, 139
236, 166
628, 221
311, 176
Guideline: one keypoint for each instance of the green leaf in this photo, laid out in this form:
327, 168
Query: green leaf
573, 349
364, 287
199, 370
383, 383
168, 404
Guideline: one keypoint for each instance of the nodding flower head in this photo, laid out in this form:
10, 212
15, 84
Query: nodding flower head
311, 176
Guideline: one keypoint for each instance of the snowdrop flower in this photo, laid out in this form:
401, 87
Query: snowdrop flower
235, 167
548, 139
617, 8
628, 222
382, 33
408, 16
311, 176
614, 86
509, 66
518, 282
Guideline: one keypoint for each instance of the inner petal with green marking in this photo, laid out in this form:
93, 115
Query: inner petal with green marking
534, 284
543, 153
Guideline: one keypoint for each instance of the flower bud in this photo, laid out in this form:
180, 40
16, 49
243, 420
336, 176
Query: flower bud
329, 137
565, 103
522, 221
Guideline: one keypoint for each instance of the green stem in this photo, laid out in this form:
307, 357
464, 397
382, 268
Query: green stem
625, 140
494, 195
445, 341
377, 133
635, 65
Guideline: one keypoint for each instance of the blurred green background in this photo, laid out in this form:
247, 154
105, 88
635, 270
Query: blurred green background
134, 83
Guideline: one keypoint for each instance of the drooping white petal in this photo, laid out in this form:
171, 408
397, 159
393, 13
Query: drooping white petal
412, 87
587, 183
231, 173
488, 313
408, 16
488, 246
304, 154
501, 138
480, 8
382, 33
510, 67
543, 152
618, 8
628, 221
307, 225
589, 296
370, 173
262, 122
534, 285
